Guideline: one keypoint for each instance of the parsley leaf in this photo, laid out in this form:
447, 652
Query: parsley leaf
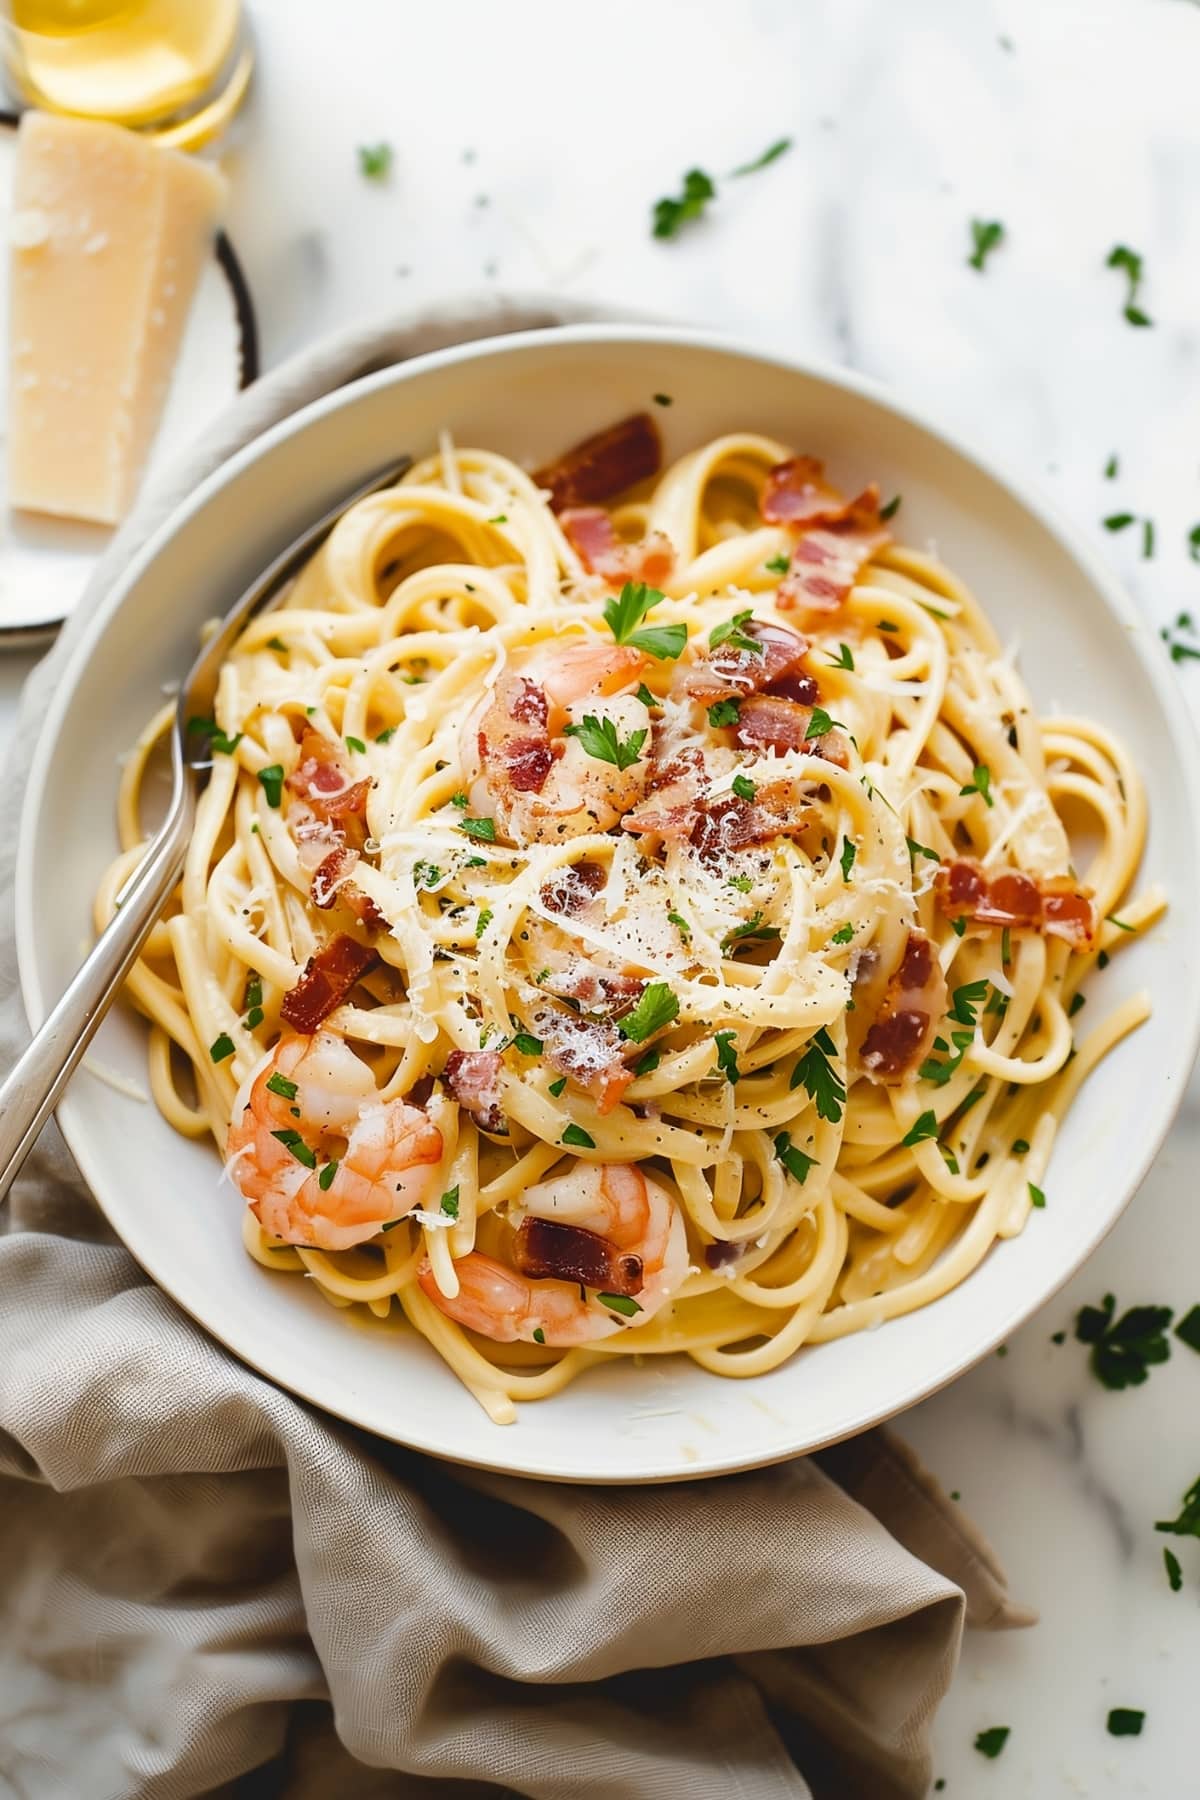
892, 508
1117, 521
727, 1060
1036, 1196
222, 1047
483, 829
527, 1044
680, 923
1174, 1572
624, 1304
843, 934
1125, 1721
647, 1064
556, 1087
986, 234
915, 850
742, 883
778, 565
217, 739
779, 148
1188, 1522
980, 783
724, 712
1188, 1329
820, 724
844, 659
353, 743
375, 161
849, 852
743, 787
575, 1135
657, 1007
925, 1127
796, 1162
539, 1336
291, 1140
386, 734
625, 613
599, 739
483, 921
326, 1177
992, 1741
646, 697
816, 1073
731, 631
1110, 468
279, 1084
272, 783
671, 213
449, 1203
1123, 1352
1130, 263
753, 928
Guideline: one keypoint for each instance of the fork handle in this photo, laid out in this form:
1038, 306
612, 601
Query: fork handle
32, 1090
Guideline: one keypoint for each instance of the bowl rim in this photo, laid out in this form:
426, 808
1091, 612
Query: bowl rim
1064, 533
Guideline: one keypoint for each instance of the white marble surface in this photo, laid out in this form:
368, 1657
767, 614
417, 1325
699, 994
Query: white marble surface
530, 143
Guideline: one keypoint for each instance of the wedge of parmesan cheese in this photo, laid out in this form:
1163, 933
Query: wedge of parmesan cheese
108, 236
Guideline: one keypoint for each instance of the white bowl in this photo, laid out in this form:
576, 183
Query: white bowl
1083, 648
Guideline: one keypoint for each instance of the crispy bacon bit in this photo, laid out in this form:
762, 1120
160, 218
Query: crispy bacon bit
514, 738
672, 805
720, 1253
1056, 906
593, 534
827, 559
473, 1077
544, 1247
331, 882
913, 1002
800, 686
767, 722
570, 888
727, 672
328, 977
611, 994
731, 823
590, 1051
603, 465
798, 494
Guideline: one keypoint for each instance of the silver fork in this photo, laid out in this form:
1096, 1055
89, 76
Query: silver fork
32, 1090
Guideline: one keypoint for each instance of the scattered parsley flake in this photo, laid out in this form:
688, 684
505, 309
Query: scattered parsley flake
1112, 919
820, 725
279, 1084
753, 928
892, 508
849, 852
1118, 521
599, 739
731, 631
680, 923
1188, 1329
980, 783
222, 1047
1125, 1721
843, 934
217, 739
576, 1136
742, 883
743, 787
326, 1177
657, 1007
670, 214
1078, 1002
646, 697
624, 1304
482, 829
796, 1162
1123, 1352
915, 850
780, 564
527, 1044
276, 643
986, 235
1036, 1196
291, 1140
925, 1127
375, 161
887, 625
1130, 263
539, 1336
254, 1018
724, 712
460, 800
1111, 469
386, 734
844, 659
271, 779
482, 923
499, 519
1171, 1565
1188, 1522
647, 1064
991, 1742
779, 148
353, 743
727, 1060
1020, 1146
449, 1202
1147, 539
662, 400
556, 1087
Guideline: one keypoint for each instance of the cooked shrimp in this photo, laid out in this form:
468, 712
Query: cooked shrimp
321, 1160
635, 1220
527, 767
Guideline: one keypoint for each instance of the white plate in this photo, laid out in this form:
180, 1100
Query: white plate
529, 396
45, 562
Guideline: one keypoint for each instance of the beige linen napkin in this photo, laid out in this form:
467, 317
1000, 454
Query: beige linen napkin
207, 1586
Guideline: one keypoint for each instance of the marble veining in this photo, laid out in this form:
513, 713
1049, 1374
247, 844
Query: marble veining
528, 152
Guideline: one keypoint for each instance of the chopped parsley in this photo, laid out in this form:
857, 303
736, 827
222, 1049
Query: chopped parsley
252, 993
1020, 1146
449, 1203
724, 712
662, 399
276, 643
892, 508
816, 1074
353, 743
646, 697
1118, 521
279, 1084
624, 1304
1036, 1196
966, 1002
753, 928
771, 154
527, 1044
576, 1136
742, 883
1188, 1329
386, 734
460, 800
727, 1060
843, 934
1188, 1522
647, 1064
1078, 1002
556, 1087
992, 1741
222, 1047
1130, 263
1112, 919
887, 625
821, 724
539, 1336
680, 923
1147, 539
499, 519
657, 1007
291, 1140
986, 235
673, 212
482, 922
1111, 468
599, 739
743, 787
915, 850
980, 783
375, 161
731, 631
272, 783
1124, 1350
1125, 1721
925, 1127
217, 739
779, 565
483, 829
426, 874
326, 1177
849, 852
624, 614
844, 659
796, 1162
1174, 1572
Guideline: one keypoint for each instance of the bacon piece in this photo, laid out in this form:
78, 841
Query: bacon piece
604, 464
768, 722
672, 805
612, 994
571, 888
331, 882
322, 781
514, 738
328, 977
1056, 906
590, 1051
593, 534
904, 1025
827, 559
720, 1253
799, 686
473, 1077
728, 672
544, 1247
732, 823
797, 493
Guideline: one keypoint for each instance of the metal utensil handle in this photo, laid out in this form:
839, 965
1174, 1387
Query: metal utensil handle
30, 1093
